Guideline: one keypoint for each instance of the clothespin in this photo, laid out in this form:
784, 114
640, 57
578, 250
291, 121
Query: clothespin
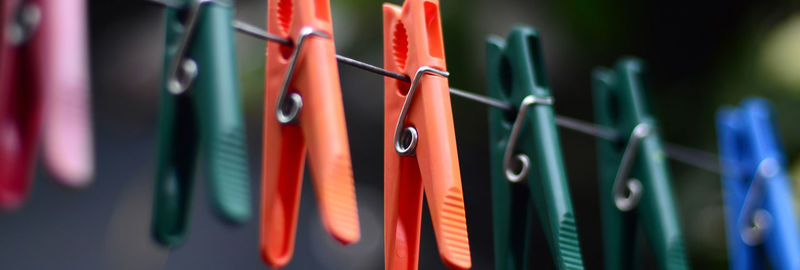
760, 216
43, 76
634, 179
304, 112
200, 96
419, 140
527, 167
67, 137
20, 98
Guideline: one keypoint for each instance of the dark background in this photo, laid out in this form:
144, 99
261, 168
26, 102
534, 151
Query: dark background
701, 54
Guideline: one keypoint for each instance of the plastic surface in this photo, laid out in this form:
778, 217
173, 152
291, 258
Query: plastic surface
211, 109
67, 131
747, 136
620, 103
516, 70
320, 131
412, 38
21, 93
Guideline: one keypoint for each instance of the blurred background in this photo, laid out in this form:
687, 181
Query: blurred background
701, 55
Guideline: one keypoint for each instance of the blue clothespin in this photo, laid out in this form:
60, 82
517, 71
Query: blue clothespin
760, 217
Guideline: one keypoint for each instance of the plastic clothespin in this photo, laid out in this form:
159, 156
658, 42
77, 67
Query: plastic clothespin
43, 77
634, 179
200, 96
419, 140
304, 112
67, 137
760, 216
527, 167
21, 94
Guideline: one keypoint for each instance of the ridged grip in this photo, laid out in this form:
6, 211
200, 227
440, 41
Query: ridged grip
219, 112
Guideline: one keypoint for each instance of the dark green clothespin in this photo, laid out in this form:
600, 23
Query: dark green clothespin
634, 179
527, 167
200, 105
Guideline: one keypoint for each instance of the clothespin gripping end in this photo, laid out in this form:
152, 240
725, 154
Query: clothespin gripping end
405, 140
626, 200
518, 173
288, 110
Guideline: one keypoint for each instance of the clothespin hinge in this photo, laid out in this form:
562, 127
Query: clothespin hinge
753, 220
405, 140
287, 110
626, 200
183, 71
24, 24
515, 176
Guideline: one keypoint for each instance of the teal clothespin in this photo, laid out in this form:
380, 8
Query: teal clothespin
200, 96
634, 179
527, 167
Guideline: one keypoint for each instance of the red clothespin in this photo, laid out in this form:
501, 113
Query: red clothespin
419, 140
304, 110
20, 99
42, 68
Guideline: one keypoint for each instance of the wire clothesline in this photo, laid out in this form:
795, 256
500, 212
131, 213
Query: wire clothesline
698, 158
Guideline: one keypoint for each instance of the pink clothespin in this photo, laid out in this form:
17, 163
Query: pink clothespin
67, 138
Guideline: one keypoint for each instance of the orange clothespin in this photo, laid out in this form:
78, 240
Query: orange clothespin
304, 109
419, 140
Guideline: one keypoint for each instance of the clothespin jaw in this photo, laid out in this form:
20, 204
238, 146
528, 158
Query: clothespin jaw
527, 165
758, 199
304, 112
200, 96
419, 140
67, 138
634, 179
20, 98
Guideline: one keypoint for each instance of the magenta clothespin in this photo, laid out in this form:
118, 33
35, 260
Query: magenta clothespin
43, 71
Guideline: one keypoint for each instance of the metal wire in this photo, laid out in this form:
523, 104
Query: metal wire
694, 157
364, 66
683, 154
162, 3
256, 32
584, 127
698, 158
480, 99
